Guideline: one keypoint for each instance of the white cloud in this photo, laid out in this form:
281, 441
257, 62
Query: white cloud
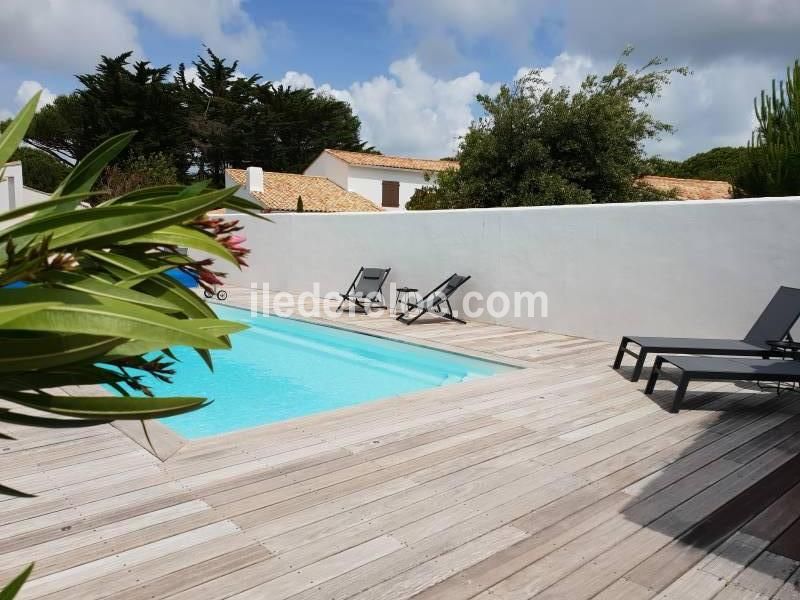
25, 92
734, 47
296, 80
470, 17
223, 25
566, 70
439, 51
445, 25
28, 88
63, 34
409, 111
701, 32
414, 113
713, 107
191, 74
70, 35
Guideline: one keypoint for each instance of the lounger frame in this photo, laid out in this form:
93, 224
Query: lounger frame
773, 325
698, 374
373, 299
440, 306
646, 349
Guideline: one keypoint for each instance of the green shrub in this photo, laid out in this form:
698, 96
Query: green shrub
40, 171
98, 307
138, 172
718, 164
536, 145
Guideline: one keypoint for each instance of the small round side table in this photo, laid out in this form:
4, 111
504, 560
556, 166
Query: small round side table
404, 294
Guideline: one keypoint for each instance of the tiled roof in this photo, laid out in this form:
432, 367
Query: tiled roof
365, 159
691, 189
319, 193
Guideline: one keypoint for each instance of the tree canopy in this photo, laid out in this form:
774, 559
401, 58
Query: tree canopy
720, 164
537, 145
116, 97
203, 124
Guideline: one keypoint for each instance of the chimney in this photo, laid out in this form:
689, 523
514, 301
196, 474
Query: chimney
255, 179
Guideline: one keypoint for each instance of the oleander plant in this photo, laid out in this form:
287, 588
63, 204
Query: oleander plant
87, 298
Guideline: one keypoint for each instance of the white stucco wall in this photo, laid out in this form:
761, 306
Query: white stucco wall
368, 181
327, 165
31, 195
11, 189
703, 268
13, 192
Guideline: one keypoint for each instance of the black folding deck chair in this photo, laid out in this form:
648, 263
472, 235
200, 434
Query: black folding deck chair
436, 301
366, 291
716, 368
773, 325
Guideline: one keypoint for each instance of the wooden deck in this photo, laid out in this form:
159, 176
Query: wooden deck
560, 480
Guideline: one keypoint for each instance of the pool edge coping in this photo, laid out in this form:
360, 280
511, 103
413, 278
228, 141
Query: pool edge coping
158, 439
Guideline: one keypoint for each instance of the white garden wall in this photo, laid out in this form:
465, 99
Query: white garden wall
702, 268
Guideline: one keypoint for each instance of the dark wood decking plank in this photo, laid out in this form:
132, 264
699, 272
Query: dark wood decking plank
669, 563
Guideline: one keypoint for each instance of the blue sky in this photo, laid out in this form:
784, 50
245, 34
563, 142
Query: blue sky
354, 40
315, 37
411, 68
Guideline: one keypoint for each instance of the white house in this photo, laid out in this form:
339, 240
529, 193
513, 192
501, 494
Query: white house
388, 181
13, 192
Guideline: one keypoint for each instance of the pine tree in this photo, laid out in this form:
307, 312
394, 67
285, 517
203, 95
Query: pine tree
300, 204
205, 119
772, 164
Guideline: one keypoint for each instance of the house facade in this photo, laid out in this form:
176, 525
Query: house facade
387, 181
13, 191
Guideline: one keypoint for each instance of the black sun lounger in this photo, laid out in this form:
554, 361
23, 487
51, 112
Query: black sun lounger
714, 368
366, 291
436, 301
774, 324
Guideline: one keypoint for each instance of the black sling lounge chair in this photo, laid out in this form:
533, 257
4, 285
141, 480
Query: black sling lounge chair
774, 324
366, 291
436, 301
713, 368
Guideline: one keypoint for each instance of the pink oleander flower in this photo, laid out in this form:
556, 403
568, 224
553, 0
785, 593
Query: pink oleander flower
224, 232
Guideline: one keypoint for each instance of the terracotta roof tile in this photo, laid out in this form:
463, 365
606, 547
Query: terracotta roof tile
365, 159
319, 193
691, 189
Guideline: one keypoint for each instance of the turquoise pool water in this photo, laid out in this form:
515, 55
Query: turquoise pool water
281, 368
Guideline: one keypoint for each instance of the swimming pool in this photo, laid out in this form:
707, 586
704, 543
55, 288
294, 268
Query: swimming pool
283, 368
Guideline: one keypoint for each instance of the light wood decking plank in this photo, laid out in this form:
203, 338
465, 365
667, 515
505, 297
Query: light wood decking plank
558, 479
